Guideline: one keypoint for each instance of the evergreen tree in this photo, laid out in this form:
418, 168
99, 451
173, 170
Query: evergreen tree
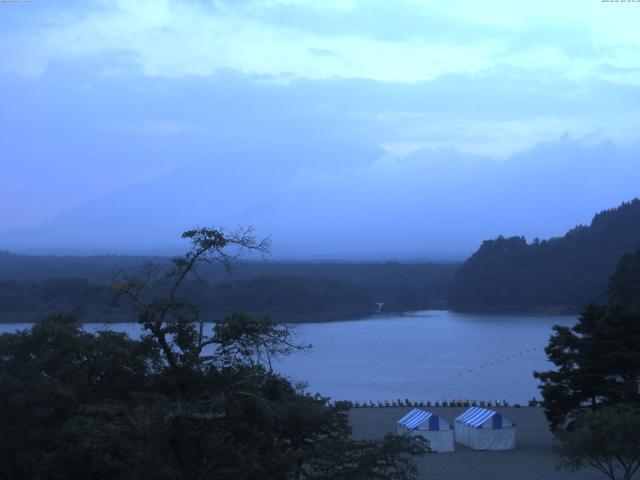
597, 360
562, 272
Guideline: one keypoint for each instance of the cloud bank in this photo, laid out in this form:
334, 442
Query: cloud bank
105, 94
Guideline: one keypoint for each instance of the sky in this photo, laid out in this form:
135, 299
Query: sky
311, 106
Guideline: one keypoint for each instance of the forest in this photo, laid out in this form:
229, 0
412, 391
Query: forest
184, 401
557, 274
505, 274
31, 286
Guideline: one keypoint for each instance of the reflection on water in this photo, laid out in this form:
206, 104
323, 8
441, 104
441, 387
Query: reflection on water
431, 355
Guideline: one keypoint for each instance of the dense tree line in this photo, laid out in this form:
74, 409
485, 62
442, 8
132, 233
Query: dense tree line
568, 271
31, 300
294, 299
182, 402
287, 291
284, 299
383, 280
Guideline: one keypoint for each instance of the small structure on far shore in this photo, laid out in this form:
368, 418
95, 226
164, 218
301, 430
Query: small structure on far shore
484, 429
428, 425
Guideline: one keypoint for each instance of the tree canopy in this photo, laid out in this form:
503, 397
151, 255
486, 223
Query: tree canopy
592, 398
294, 292
607, 440
567, 271
598, 359
180, 402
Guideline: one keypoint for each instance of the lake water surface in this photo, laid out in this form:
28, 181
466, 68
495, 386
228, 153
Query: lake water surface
430, 355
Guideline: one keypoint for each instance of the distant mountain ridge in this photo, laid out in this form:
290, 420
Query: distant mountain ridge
566, 271
347, 199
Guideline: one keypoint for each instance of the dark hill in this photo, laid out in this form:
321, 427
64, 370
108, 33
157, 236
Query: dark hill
568, 271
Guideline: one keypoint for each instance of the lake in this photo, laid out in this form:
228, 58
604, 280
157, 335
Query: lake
429, 355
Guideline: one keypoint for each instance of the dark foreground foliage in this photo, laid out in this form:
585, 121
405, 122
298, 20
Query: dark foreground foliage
606, 439
180, 403
598, 359
103, 406
592, 398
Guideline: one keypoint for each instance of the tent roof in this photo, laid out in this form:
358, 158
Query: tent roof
476, 416
415, 418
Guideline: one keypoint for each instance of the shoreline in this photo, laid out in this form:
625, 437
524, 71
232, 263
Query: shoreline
30, 318
542, 311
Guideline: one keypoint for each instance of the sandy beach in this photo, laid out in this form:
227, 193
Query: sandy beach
534, 459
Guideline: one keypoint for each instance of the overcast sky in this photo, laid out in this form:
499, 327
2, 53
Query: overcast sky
97, 95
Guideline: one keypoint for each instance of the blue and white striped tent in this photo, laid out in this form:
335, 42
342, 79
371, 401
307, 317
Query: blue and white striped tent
484, 429
430, 426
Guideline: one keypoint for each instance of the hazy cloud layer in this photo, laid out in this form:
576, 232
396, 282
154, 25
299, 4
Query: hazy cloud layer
104, 94
437, 204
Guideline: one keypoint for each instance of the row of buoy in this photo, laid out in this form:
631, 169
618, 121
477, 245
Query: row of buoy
497, 362
444, 403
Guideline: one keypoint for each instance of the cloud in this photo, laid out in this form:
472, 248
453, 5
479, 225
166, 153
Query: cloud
179, 41
128, 88
321, 52
435, 203
405, 41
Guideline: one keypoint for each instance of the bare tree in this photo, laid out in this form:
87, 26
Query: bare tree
173, 322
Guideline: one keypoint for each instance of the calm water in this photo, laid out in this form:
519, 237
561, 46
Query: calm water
432, 355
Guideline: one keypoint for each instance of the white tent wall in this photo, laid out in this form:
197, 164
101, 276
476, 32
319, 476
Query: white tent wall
497, 433
440, 440
486, 438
